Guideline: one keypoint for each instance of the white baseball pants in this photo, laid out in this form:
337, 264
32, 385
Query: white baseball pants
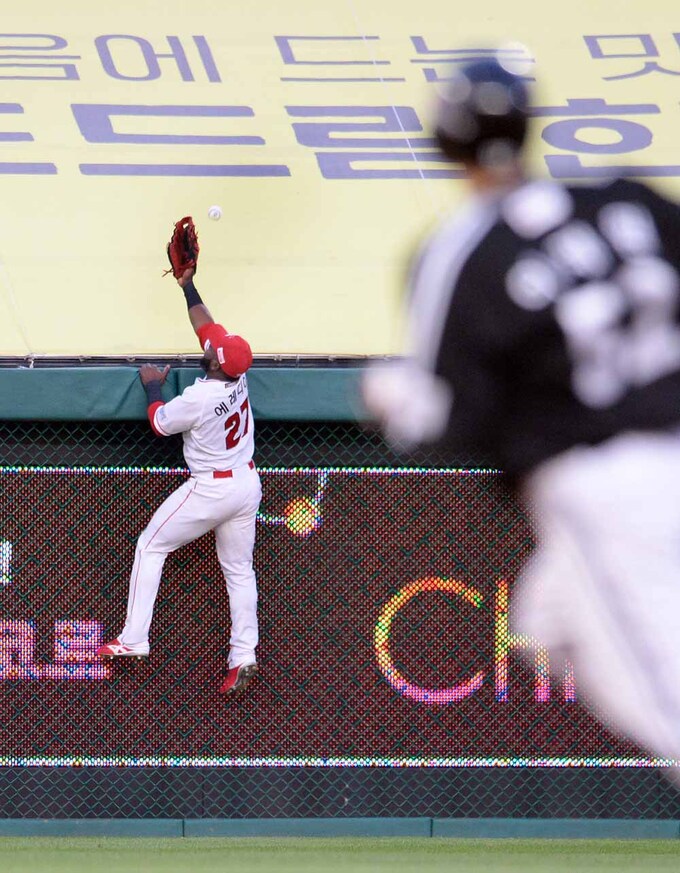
603, 587
226, 505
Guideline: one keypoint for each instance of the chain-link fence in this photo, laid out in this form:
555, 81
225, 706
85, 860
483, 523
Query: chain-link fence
390, 684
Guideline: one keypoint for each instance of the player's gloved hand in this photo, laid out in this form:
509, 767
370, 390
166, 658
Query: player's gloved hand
183, 247
150, 373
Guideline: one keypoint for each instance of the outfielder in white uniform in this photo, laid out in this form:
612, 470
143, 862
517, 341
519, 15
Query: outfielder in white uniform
223, 493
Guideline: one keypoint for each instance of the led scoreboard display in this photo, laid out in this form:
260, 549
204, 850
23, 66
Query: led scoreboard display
385, 637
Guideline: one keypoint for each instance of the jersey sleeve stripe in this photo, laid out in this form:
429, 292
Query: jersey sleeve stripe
151, 415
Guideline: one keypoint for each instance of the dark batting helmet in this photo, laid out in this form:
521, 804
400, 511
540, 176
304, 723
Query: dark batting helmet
482, 115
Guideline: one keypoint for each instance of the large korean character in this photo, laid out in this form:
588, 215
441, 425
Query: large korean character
346, 145
133, 58
585, 123
333, 59
36, 56
96, 123
638, 48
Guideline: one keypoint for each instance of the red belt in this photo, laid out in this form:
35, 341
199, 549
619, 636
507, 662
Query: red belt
227, 474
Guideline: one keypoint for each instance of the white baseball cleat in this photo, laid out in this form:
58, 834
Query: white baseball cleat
116, 649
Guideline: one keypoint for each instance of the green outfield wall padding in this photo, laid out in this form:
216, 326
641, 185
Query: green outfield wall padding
91, 827
478, 828
309, 827
115, 393
555, 828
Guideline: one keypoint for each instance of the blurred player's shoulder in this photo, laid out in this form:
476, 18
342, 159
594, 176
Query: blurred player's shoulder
632, 214
450, 241
417, 251
624, 189
536, 207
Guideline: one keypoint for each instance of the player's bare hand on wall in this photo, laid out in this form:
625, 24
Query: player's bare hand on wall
150, 373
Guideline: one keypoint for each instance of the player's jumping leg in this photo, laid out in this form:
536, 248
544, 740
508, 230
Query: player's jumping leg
235, 539
176, 522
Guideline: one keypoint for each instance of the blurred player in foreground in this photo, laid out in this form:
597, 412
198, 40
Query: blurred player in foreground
223, 493
545, 340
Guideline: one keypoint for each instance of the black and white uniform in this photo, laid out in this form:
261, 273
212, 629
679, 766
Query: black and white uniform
545, 340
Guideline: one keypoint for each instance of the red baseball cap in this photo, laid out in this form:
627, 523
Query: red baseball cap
233, 352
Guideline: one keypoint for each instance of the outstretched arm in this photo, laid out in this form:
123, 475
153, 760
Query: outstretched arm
152, 378
199, 316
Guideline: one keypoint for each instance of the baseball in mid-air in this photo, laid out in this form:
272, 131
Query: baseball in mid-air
215, 212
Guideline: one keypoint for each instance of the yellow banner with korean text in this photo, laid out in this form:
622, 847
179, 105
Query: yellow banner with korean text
306, 123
